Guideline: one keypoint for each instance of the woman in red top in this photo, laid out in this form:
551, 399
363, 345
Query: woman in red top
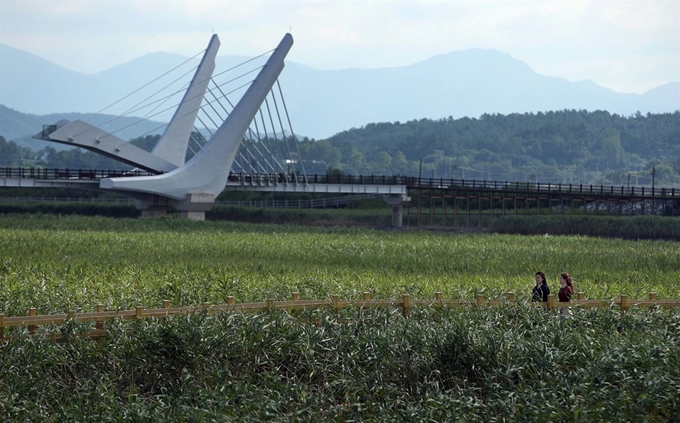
566, 291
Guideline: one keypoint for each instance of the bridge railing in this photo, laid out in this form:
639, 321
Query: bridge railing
289, 178
108, 200
538, 187
59, 173
441, 183
409, 181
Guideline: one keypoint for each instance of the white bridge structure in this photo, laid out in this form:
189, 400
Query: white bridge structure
239, 143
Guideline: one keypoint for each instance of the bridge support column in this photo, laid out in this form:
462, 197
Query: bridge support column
152, 205
194, 206
397, 202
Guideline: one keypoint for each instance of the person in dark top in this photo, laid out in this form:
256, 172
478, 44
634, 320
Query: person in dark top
541, 290
566, 291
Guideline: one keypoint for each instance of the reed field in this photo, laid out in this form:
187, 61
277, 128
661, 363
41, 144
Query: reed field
510, 363
58, 263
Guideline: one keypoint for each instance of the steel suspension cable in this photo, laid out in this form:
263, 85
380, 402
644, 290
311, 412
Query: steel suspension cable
160, 126
191, 98
283, 131
271, 120
257, 135
266, 137
147, 84
173, 106
290, 125
137, 106
168, 72
243, 143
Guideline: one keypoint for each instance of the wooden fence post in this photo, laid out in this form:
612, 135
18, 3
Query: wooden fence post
31, 328
138, 312
581, 296
405, 304
294, 296
480, 300
166, 303
439, 297
270, 303
230, 300
71, 314
336, 307
100, 322
2, 327
511, 297
363, 311
623, 303
551, 302
652, 297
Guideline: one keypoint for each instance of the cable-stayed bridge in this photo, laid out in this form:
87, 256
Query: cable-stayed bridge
244, 144
215, 143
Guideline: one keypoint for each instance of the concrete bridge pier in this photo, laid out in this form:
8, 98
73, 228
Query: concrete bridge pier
397, 202
192, 207
152, 205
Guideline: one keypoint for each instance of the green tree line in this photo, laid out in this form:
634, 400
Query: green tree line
571, 146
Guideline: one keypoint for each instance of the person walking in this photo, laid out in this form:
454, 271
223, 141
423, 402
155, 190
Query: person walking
565, 293
541, 289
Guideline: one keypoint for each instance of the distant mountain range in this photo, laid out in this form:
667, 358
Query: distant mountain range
322, 103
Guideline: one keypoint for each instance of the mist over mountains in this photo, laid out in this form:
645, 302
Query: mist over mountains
322, 103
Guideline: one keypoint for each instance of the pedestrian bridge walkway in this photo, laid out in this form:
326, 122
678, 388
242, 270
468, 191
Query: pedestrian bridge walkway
90, 179
363, 184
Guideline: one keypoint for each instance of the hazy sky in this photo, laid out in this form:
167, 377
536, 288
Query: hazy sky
625, 45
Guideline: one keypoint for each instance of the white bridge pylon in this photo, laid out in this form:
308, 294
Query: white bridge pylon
192, 186
170, 150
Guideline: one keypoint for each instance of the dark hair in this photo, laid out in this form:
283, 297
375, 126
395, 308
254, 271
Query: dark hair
542, 275
567, 278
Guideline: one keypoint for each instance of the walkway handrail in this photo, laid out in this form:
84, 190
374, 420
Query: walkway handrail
543, 187
63, 173
114, 200
295, 304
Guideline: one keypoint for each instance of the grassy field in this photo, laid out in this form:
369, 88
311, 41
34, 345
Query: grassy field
513, 363
58, 263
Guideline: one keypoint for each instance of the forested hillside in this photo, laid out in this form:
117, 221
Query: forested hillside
567, 146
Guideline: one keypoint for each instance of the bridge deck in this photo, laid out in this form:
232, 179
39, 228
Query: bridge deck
319, 188
372, 184
231, 186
